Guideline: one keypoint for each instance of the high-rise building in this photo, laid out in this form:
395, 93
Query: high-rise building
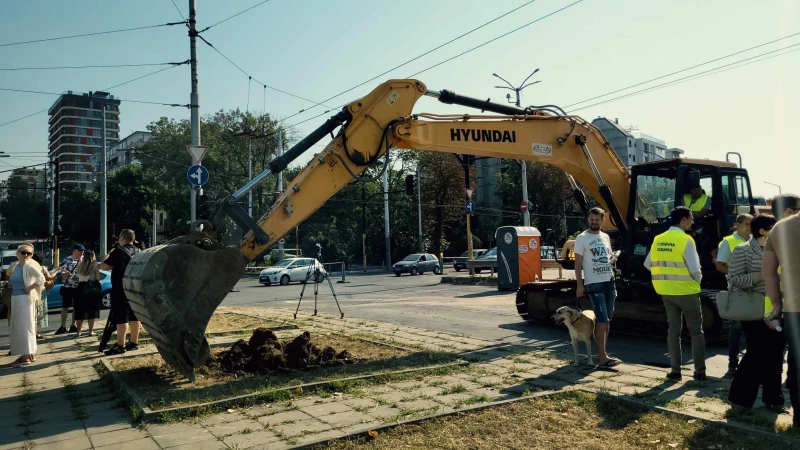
122, 153
76, 127
634, 147
27, 178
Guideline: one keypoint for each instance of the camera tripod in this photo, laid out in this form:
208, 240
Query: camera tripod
314, 273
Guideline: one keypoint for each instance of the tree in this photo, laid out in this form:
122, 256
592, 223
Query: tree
24, 212
130, 201
80, 215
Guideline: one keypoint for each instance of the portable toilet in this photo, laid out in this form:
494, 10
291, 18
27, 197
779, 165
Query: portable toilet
519, 259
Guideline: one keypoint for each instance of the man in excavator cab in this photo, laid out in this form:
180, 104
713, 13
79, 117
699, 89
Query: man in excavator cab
697, 201
174, 288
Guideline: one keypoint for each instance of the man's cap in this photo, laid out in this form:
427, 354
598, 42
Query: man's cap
79, 247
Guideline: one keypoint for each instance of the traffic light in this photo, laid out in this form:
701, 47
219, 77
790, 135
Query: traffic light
204, 207
409, 184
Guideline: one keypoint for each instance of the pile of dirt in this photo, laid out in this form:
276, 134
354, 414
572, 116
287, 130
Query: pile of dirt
264, 353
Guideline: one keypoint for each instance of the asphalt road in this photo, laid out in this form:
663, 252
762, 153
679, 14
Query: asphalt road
422, 301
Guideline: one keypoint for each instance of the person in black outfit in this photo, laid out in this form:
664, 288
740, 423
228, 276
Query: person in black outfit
121, 313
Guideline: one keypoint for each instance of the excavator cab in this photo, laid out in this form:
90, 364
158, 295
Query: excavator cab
657, 187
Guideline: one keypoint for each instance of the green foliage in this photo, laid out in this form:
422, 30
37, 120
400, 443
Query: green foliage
24, 212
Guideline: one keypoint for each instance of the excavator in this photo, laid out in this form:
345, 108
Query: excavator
174, 288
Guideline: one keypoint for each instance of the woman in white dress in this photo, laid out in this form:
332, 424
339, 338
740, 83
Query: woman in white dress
27, 282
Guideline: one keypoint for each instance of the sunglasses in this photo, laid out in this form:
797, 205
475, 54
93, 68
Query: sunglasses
25, 253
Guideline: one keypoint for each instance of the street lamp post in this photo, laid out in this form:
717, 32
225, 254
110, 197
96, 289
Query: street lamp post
526, 216
776, 185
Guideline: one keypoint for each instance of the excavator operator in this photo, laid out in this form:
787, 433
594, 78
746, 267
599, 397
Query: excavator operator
697, 201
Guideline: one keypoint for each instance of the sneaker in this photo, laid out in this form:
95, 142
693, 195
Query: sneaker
674, 376
131, 346
730, 373
699, 375
115, 350
73, 329
60, 330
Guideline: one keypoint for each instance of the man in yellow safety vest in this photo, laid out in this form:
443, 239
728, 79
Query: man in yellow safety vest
675, 268
697, 201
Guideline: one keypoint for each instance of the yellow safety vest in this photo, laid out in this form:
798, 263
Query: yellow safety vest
767, 301
732, 240
698, 204
668, 268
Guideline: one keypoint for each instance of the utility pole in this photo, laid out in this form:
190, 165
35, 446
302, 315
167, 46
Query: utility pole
56, 210
526, 216
386, 235
103, 198
280, 152
194, 99
419, 211
250, 176
154, 238
363, 228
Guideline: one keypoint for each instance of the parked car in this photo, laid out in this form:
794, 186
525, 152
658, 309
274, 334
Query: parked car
8, 257
417, 263
461, 262
489, 257
54, 300
292, 269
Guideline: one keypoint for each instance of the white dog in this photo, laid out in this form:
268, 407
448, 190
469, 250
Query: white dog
581, 328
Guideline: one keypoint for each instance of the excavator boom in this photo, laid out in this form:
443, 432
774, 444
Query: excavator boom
175, 288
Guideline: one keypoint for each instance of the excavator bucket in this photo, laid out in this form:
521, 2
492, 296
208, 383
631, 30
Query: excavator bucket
174, 289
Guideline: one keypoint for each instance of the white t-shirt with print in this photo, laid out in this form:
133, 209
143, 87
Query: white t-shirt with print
596, 252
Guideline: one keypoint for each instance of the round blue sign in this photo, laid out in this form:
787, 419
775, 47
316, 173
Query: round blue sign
197, 175
470, 206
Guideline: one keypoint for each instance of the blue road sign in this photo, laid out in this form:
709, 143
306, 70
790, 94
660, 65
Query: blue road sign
197, 175
470, 207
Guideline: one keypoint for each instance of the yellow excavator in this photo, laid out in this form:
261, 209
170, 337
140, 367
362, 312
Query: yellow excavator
175, 288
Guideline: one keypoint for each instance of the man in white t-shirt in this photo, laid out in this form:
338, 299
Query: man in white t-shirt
594, 271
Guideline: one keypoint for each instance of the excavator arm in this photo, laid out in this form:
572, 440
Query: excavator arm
383, 120
175, 288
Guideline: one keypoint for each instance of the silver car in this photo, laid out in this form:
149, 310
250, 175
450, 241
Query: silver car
292, 269
417, 263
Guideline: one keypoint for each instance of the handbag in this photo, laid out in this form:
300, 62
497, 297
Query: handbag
740, 305
93, 289
48, 284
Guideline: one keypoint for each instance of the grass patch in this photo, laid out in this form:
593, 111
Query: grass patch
457, 389
593, 422
160, 388
471, 401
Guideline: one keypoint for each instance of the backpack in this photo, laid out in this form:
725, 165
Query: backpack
125, 257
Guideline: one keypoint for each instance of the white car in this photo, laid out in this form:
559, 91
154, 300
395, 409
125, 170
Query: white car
292, 269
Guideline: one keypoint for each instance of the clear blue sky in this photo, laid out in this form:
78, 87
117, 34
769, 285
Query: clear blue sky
316, 49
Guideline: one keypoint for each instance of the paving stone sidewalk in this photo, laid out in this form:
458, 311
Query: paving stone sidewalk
59, 401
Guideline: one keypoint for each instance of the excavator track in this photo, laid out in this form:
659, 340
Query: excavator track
174, 290
537, 302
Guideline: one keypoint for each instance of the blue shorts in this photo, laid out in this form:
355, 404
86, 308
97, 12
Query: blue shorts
603, 296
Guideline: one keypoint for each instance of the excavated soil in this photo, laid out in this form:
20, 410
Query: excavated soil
264, 353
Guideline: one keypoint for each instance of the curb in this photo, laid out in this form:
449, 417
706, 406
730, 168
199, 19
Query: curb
773, 437
477, 281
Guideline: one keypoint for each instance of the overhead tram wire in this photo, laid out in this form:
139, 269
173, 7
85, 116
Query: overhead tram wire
419, 56
684, 70
452, 58
178, 9
8, 44
231, 17
256, 80
714, 71
122, 100
106, 89
106, 66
